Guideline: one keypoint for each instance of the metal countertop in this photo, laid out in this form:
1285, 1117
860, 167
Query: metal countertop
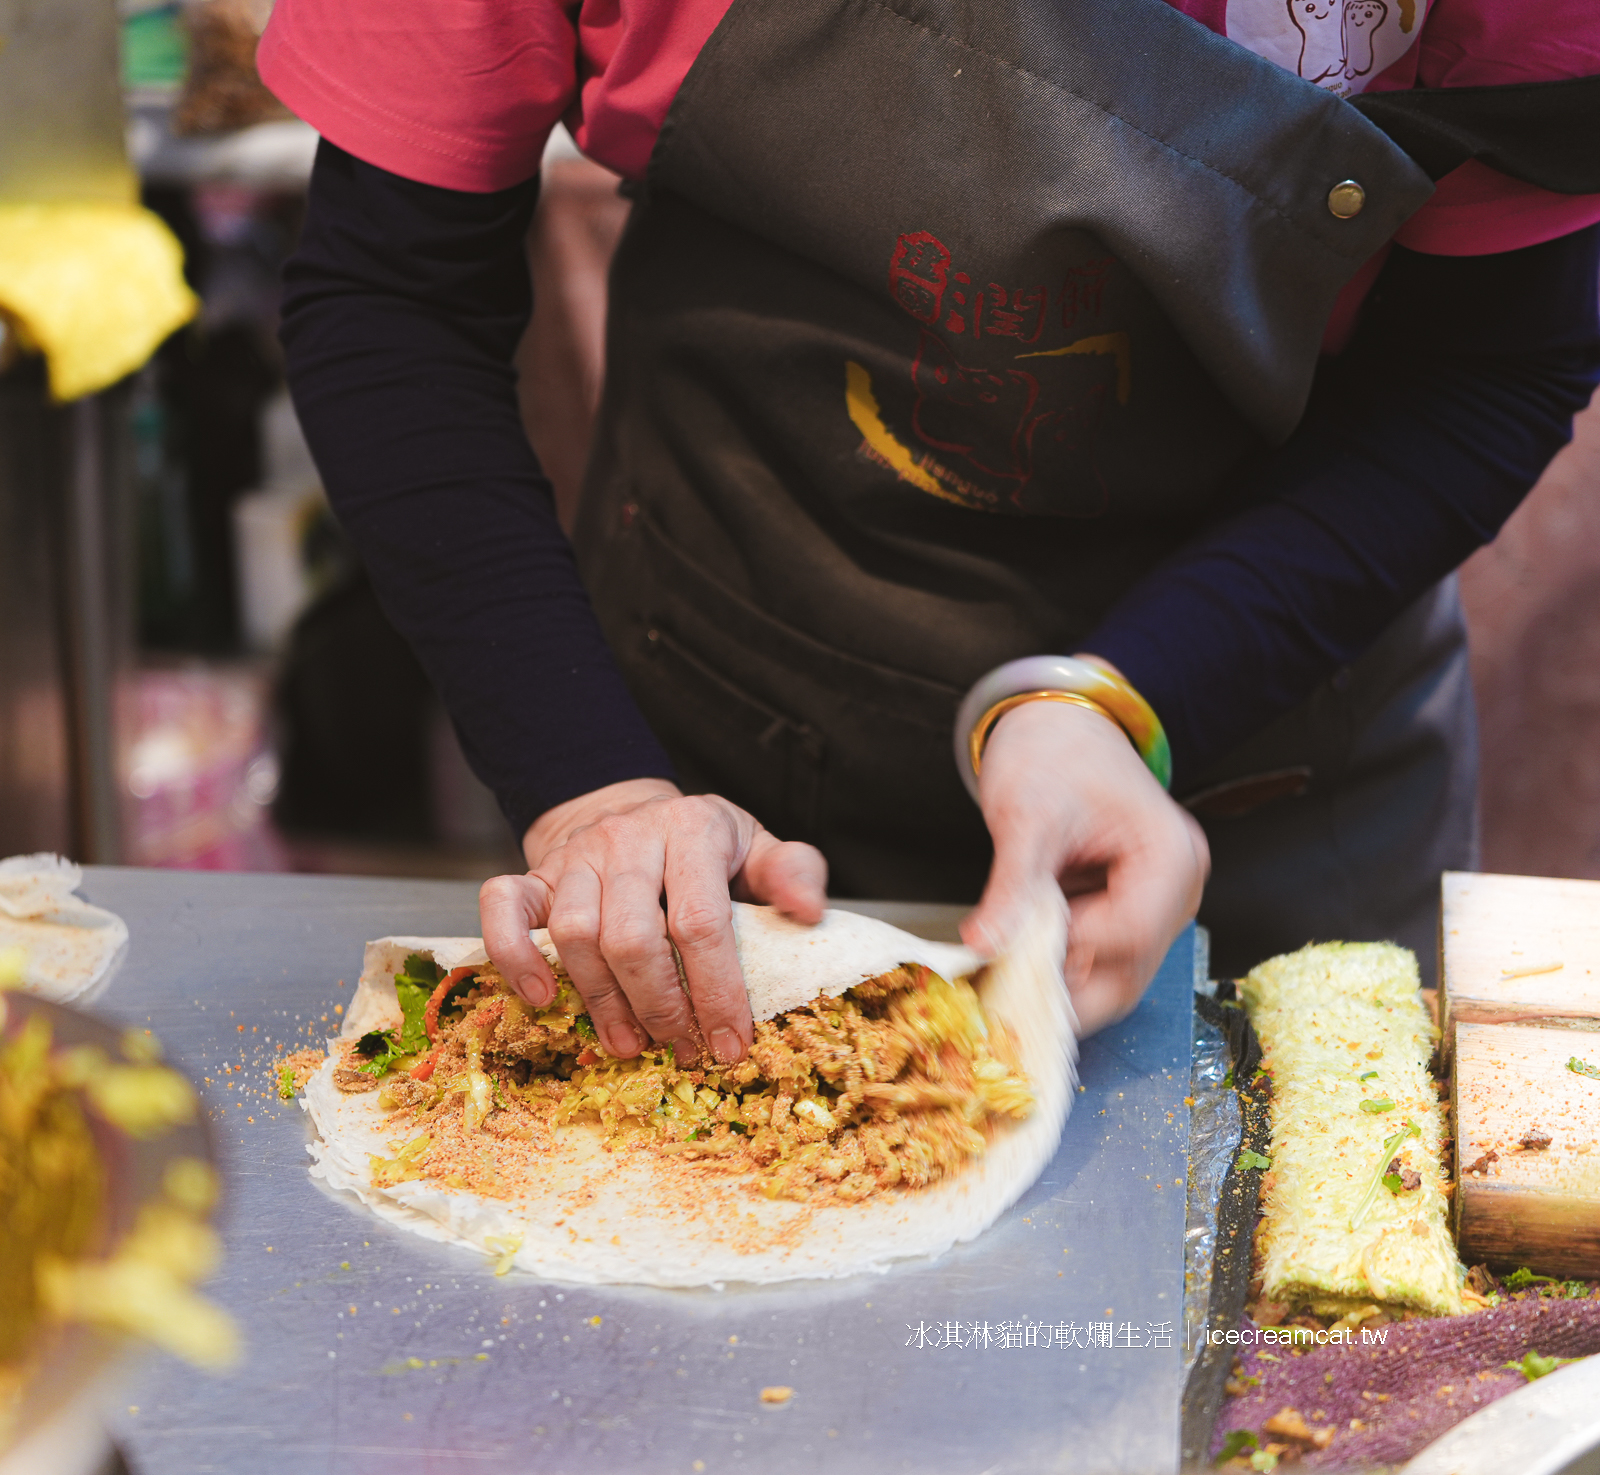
372, 1350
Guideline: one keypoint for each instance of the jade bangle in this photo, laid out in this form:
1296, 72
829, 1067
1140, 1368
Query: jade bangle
1057, 678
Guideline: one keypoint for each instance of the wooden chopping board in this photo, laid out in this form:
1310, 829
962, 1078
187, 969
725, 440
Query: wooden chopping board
1518, 949
1520, 1007
1528, 1148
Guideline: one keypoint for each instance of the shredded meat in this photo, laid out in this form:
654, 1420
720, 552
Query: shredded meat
350, 1080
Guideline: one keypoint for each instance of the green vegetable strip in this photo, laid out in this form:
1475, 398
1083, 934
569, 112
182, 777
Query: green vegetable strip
413, 985
1411, 1129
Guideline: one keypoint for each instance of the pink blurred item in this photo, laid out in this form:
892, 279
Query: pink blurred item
200, 773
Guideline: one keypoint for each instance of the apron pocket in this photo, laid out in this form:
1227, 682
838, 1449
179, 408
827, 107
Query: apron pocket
727, 741
771, 658
818, 744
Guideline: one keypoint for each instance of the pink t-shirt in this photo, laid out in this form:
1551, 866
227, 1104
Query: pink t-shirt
464, 93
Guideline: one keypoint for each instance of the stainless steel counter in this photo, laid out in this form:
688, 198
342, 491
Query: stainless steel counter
371, 1350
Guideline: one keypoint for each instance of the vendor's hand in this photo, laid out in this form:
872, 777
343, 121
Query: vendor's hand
1067, 798
598, 868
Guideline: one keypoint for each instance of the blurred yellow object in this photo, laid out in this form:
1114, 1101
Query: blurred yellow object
12, 961
56, 1178
94, 287
144, 1288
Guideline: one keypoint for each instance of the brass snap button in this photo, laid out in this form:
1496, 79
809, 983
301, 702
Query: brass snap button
1346, 198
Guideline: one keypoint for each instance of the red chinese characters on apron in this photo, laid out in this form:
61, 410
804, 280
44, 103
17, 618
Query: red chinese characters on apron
984, 431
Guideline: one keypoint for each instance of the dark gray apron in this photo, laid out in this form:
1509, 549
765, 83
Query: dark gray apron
940, 322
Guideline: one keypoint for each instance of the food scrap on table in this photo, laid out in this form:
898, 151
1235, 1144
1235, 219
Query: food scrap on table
66, 945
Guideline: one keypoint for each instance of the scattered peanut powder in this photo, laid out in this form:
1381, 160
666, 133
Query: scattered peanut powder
301, 1064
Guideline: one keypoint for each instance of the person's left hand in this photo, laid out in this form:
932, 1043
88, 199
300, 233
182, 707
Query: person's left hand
600, 867
1068, 800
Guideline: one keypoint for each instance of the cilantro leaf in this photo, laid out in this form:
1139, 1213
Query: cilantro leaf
1392, 1182
1366, 1075
1521, 1279
1533, 1365
583, 1027
1249, 1159
378, 1052
420, 969
1237, 1442
1583, 1068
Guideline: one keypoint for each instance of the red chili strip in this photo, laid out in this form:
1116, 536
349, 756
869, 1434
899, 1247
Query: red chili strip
430, 1016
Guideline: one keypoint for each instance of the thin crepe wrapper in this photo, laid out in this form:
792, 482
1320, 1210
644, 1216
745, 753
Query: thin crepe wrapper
600, 1217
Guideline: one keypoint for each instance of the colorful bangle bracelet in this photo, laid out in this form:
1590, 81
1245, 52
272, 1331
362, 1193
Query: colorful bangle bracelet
1057, 678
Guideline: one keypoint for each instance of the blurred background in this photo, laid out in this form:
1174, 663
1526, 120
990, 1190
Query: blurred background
193, 670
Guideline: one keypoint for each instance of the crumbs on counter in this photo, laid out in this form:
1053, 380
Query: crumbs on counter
395, 1366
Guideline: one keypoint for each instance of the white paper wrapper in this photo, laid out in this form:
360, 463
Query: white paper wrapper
69, 945
630, 1217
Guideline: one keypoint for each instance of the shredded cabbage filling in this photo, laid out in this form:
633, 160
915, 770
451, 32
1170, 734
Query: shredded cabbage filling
895, 1083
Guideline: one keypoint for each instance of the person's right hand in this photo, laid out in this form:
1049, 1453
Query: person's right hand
599, 866
1068, 801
